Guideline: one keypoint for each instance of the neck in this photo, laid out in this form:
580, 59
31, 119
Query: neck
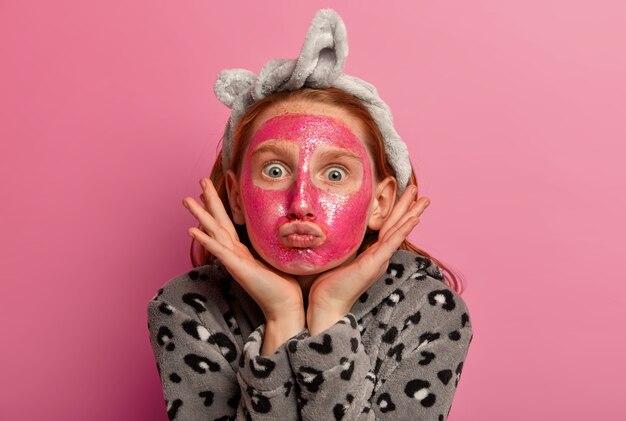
305, 282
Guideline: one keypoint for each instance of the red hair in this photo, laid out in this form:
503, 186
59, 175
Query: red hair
331, 96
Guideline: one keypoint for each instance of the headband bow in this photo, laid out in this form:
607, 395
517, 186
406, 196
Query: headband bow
319, 65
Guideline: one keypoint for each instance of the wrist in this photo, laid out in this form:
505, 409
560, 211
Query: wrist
278, 331
318, 319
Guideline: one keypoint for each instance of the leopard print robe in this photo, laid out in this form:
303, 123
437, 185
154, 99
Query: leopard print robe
397, 355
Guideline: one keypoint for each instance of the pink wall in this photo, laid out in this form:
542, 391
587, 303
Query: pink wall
515, 116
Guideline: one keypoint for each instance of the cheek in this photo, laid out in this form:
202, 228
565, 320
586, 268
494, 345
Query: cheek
346, 216
265, 209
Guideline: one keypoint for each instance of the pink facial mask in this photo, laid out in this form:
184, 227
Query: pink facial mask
306, 227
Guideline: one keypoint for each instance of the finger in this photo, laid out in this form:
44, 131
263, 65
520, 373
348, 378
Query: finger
231, 260
416, 209
217, 249
399, 209
216, 208
209, 223
382, 250
390, 245
203, 202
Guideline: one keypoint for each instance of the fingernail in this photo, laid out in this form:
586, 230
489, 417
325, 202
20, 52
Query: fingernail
426, 204
203, 183
186, 204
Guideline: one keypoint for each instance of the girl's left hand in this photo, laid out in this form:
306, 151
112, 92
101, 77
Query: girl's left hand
333, 293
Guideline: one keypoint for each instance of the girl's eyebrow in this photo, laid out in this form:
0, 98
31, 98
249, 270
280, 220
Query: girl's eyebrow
336, 153
275, 147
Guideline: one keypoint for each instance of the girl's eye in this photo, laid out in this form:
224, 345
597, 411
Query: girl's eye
274, 170
335, 174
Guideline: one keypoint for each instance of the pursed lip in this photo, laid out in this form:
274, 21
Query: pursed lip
300, 234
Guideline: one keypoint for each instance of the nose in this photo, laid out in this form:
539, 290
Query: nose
301, 205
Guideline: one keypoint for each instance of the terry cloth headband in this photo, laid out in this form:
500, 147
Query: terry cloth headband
319, 66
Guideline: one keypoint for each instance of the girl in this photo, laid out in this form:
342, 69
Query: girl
306, 300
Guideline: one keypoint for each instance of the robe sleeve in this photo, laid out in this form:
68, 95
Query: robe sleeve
332, 371
266, 382
197, 369
426, 346
414, 375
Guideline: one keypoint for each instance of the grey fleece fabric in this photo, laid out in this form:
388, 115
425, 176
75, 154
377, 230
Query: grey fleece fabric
397, 355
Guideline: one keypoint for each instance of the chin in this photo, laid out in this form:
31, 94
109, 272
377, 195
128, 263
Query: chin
304, 262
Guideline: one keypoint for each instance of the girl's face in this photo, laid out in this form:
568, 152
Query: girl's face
305, 189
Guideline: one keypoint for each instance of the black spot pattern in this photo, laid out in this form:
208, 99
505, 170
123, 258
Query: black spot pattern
428, 337
172, 410
196, 330
310, 378
391, 335
233, 402
395, 298
396, 270
200, 364
396, 352
158, 294
401, 356
445, 376
443, 295
419, 390
339, 411
354, 345
348, 369
413, 319
260, 403
464, 319
207, 397
385, 403
262, 367
455, 335
379, 363
288, 385
196, 301
427, 358
225, 345
459, 369
164, 338
422, 263
165, 308
326, 347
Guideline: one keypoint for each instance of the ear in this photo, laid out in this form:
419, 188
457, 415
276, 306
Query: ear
234, 198
384, 199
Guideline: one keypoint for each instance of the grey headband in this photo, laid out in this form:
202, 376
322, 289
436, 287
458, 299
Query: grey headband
319, 66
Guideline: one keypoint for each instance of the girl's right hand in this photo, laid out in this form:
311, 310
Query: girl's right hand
279, 296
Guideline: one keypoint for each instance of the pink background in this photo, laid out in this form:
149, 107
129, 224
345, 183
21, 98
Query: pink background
515, 116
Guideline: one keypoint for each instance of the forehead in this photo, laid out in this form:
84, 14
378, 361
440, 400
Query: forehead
306, 132
335, 116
